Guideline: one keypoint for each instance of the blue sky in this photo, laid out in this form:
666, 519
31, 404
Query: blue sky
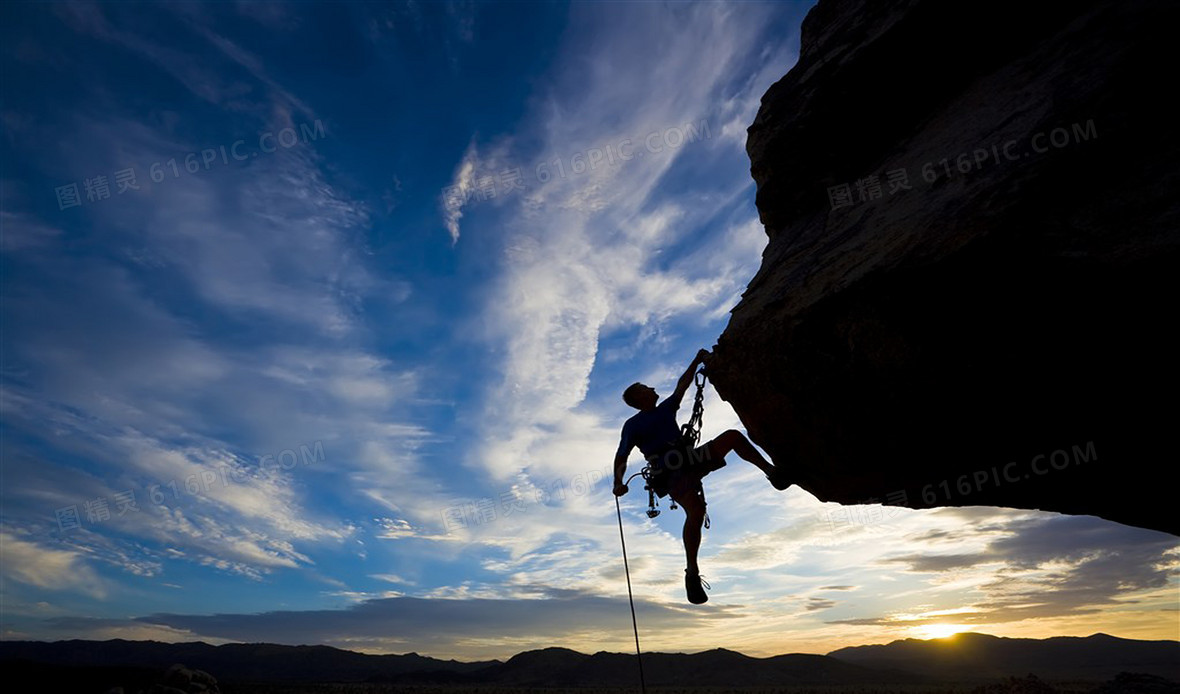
316, 317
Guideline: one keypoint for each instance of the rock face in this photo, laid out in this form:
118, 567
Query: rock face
998, 328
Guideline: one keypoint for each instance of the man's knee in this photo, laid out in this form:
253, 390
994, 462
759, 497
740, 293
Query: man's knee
730, 438
734, 437
725, 442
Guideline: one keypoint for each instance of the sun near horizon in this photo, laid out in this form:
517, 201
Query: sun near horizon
938, 631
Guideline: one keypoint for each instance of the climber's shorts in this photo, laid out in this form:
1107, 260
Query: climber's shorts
677, 465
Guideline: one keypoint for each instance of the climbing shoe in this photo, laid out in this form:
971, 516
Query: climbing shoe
693, 585
778, 478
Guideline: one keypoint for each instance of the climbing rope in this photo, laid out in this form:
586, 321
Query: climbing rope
631, 598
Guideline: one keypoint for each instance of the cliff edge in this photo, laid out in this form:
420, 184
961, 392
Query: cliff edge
969, 292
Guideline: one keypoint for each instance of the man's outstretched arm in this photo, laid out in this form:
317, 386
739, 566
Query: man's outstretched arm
687, 377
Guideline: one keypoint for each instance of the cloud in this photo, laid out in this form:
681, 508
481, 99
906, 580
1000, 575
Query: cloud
755, 551
473, 627
475, 181
210, 77
462, 13
274, 15
393, 578
217, 507
192, 330
461, 191
934, 563
197, 326
1049, 567
816, 604
22, 232
47, 567
103, 629
590, 253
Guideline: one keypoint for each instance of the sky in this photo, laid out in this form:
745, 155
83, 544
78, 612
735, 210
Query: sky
316, 319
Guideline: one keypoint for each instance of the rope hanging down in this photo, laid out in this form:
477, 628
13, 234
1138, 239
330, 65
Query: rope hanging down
630, 598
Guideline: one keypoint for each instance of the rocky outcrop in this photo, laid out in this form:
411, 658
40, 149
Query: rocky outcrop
969, 292
181, 680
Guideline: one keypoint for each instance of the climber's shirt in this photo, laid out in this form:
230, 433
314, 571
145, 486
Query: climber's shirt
653, 431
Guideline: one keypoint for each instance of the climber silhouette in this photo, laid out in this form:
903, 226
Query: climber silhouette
678, 471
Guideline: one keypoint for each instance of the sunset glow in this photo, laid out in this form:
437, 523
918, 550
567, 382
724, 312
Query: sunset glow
938, 631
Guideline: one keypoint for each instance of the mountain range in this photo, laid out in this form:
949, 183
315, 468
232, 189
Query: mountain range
967, 657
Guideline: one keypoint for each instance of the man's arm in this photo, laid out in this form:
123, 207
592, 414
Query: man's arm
621, 455
620, 470
687, 377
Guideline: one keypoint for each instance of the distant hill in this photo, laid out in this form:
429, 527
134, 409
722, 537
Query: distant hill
549, 667
560, 667
261, 662
966, 657
980, 656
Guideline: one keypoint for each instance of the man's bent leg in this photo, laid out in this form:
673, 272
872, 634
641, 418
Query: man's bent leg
736, 441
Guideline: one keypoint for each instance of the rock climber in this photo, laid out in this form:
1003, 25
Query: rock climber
677, 471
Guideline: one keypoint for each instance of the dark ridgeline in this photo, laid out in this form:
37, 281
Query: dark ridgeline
241, 662
974, 659
561, 667
972, 656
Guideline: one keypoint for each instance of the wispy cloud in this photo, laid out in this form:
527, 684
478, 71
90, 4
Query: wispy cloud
471, 627
197, 326
1046, 567
47, 567
592, 261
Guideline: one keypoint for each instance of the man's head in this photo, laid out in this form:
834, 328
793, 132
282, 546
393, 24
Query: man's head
640, 396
